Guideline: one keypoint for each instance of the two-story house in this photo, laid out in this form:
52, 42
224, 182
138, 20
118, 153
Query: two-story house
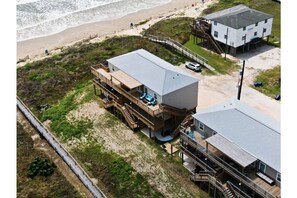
235, 148
235, 27
147, 92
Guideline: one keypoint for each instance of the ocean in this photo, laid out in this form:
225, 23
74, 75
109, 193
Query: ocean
36, 18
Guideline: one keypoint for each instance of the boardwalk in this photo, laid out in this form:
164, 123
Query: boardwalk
69, 160
182, 49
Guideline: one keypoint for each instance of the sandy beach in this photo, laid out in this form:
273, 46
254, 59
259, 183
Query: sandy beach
34, 48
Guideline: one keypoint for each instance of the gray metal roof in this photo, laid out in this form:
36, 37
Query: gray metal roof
249, 129
231, 150
152, 71
238, 16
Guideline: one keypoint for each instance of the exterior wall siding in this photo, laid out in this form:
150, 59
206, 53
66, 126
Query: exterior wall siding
185, 97
222, 31
270, 172
207, 132
235, 36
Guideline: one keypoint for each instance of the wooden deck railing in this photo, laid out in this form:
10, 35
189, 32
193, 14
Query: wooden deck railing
125, 93
151, 124
228, 168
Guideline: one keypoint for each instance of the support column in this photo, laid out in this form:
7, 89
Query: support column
150, 132
182, 156
95, 90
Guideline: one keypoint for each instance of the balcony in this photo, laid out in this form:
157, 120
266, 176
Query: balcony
106, 77
195, 147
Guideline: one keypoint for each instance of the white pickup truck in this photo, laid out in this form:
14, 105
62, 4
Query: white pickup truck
193, 66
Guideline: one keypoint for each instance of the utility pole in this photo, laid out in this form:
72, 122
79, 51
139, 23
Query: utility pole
226, 43
240, 85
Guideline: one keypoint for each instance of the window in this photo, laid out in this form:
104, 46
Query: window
244, 28
265, 21
264, 30
216, 34
215, 23
201, 126
255, 34
243, 38
278, 177
262, 167
225, 36
256, 24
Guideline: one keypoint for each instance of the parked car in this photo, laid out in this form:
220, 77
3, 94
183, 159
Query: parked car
193, 66
258, 84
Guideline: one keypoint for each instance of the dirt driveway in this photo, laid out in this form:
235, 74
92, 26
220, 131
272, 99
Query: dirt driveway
218, 88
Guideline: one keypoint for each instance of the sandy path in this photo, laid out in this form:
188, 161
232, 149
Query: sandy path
218, 88
36, 46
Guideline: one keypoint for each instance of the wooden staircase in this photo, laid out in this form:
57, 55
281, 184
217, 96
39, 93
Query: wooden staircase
181, 125
203, 31
207, 177
128, 117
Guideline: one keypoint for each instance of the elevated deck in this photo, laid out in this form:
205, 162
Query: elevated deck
209, 158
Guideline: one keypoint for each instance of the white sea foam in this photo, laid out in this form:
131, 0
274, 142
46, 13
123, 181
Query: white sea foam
36, 18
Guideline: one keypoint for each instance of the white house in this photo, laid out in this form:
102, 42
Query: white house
239, 25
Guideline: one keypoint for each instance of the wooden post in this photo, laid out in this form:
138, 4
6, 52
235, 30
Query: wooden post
150, 132
95, 90
171, 149
182, 156
226, 43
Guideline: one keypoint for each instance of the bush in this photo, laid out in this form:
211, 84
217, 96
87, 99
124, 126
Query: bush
42, 167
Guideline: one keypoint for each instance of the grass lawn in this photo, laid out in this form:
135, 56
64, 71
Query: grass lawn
271, 82
45, 82
267, 6
120, 179
216, 61
177, 29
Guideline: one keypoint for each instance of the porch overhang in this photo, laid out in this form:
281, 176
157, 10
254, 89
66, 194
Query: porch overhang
125, 79
231, 150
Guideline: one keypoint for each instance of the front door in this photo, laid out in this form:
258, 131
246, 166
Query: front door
262, 167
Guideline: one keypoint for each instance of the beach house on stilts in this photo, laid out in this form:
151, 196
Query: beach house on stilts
232, 150
233, 29
147, 92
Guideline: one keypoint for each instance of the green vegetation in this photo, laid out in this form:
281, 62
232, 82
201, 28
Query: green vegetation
45, 82
57, 114
267, 6
182, 34
271, 82
216, 61
42, 167
177, 29
54, 185
118, 176
142, 22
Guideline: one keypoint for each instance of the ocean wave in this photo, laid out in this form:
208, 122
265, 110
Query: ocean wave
40, 18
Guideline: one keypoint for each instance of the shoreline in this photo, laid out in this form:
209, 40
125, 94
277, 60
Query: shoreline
33, 49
